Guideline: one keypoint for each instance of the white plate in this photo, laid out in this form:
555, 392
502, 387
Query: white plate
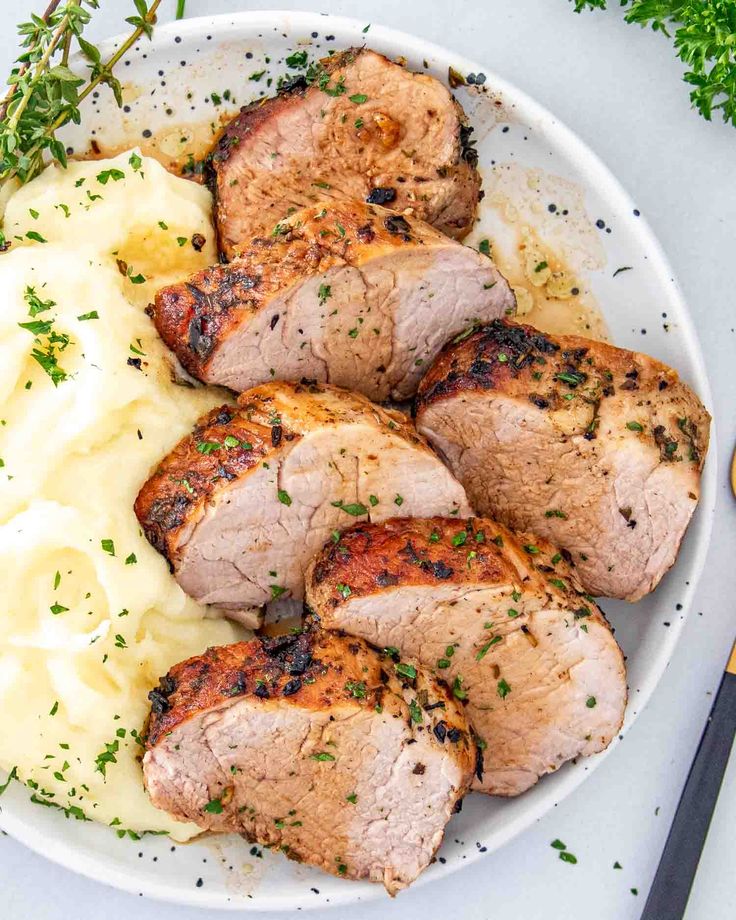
203, 55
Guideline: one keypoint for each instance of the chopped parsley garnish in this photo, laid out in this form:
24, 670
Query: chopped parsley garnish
214, 807
324, 292
93, 314
415, 712
503, 689
591, 702
120, 641
108, 546
284, 497
540, 267
484, 651
46, 340
406, 670
513, 613
373, 499
352, 798
323, 81
555, 512
484, 247
358, 98
460, 538
115, 174
322, 755
35, 236
344, 591
11, 776
356, 509
356, 689
106, 757
57, 608
531, 549
568, 857
399, 500
207, 447
570, 377
297, 59
634, 426
457, 689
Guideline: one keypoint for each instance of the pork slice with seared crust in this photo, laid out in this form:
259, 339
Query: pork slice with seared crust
343, 292
240, 506
597, 448
315, 745
500, 617
357, 126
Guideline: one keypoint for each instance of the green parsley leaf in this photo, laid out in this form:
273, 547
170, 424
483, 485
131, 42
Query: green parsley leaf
355, 509
115, 174
406, 670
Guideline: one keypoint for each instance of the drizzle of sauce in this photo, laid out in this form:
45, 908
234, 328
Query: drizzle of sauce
545, 244
176, 145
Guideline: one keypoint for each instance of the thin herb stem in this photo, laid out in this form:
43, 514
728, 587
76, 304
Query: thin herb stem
25, 157
39, 68
48, 12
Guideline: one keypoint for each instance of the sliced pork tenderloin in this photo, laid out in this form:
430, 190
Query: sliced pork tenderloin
355, 126
347, 293
597, 448
315, 745
240, 506
501, 618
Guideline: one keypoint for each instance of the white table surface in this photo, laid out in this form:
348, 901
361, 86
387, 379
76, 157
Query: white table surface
619, 88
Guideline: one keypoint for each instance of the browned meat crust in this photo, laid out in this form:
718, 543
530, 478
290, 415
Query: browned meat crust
223, 445
430, 551
196, 317
519, 361
309, 669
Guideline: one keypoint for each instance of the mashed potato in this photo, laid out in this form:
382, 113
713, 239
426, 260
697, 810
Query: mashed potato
89, 615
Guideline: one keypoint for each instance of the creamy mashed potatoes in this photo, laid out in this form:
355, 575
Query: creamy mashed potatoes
89, 615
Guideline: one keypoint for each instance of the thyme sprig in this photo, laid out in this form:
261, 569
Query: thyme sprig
705, 40
44, 94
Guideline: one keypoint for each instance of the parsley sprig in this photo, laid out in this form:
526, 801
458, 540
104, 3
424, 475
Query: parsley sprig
705, 40
44, 94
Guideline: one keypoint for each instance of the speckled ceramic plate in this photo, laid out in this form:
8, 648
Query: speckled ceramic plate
544, 187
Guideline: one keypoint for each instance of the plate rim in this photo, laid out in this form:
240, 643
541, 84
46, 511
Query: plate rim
97, 866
